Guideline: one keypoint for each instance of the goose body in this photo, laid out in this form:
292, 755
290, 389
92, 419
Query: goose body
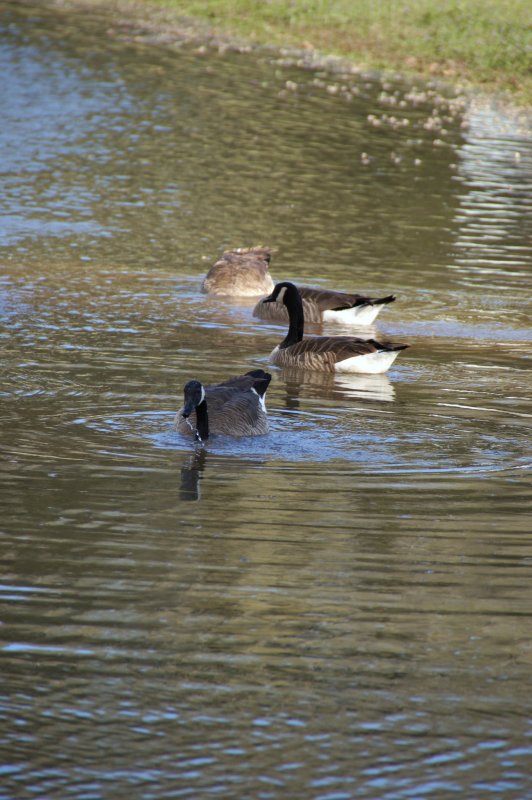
324, 305
243, 272
235, 407
326, 353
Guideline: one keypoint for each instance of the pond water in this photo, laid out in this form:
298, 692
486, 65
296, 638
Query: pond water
339, 609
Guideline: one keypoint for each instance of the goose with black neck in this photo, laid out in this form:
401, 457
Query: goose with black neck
235, 407
326, 353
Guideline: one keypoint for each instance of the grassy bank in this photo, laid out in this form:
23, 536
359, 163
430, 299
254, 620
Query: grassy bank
484, 42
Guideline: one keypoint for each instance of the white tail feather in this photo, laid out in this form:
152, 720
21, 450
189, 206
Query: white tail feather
370, 363
358, 315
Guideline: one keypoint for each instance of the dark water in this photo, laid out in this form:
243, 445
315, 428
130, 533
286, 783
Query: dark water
340, 609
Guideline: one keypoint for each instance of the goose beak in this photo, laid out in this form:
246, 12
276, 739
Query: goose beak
188, 409
268, 299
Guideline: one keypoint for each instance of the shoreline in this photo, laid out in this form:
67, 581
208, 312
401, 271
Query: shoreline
141, 22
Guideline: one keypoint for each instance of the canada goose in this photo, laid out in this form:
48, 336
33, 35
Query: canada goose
243, 272
323, 305
235, 407
326, 353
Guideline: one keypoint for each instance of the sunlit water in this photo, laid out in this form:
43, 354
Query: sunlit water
340, 609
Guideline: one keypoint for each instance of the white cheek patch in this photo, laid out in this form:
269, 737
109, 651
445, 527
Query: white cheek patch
202, 395
262, 400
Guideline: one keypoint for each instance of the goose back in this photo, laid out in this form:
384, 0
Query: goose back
235, 407
243, 272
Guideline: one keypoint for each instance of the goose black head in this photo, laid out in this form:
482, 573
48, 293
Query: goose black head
287, 293
194, 396
280, 292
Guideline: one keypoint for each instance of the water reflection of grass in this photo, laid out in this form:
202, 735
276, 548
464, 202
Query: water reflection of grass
486, 41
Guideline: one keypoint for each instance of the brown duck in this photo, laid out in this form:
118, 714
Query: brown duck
243, 272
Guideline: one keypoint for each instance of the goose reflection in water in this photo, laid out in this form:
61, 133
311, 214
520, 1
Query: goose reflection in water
192, 475
332, 385
195, 464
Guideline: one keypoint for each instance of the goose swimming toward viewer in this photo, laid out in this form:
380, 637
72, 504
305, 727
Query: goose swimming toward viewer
326, 353
243, 272
235, 407
324, 305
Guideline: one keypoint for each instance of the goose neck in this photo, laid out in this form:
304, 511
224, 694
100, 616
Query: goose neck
202, 421
294, 306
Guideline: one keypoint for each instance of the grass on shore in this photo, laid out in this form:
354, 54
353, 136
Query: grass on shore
485, 42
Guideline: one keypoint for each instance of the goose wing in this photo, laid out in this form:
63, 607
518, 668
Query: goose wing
236, 406
335, 348
328, 300
331, 349
239, 392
